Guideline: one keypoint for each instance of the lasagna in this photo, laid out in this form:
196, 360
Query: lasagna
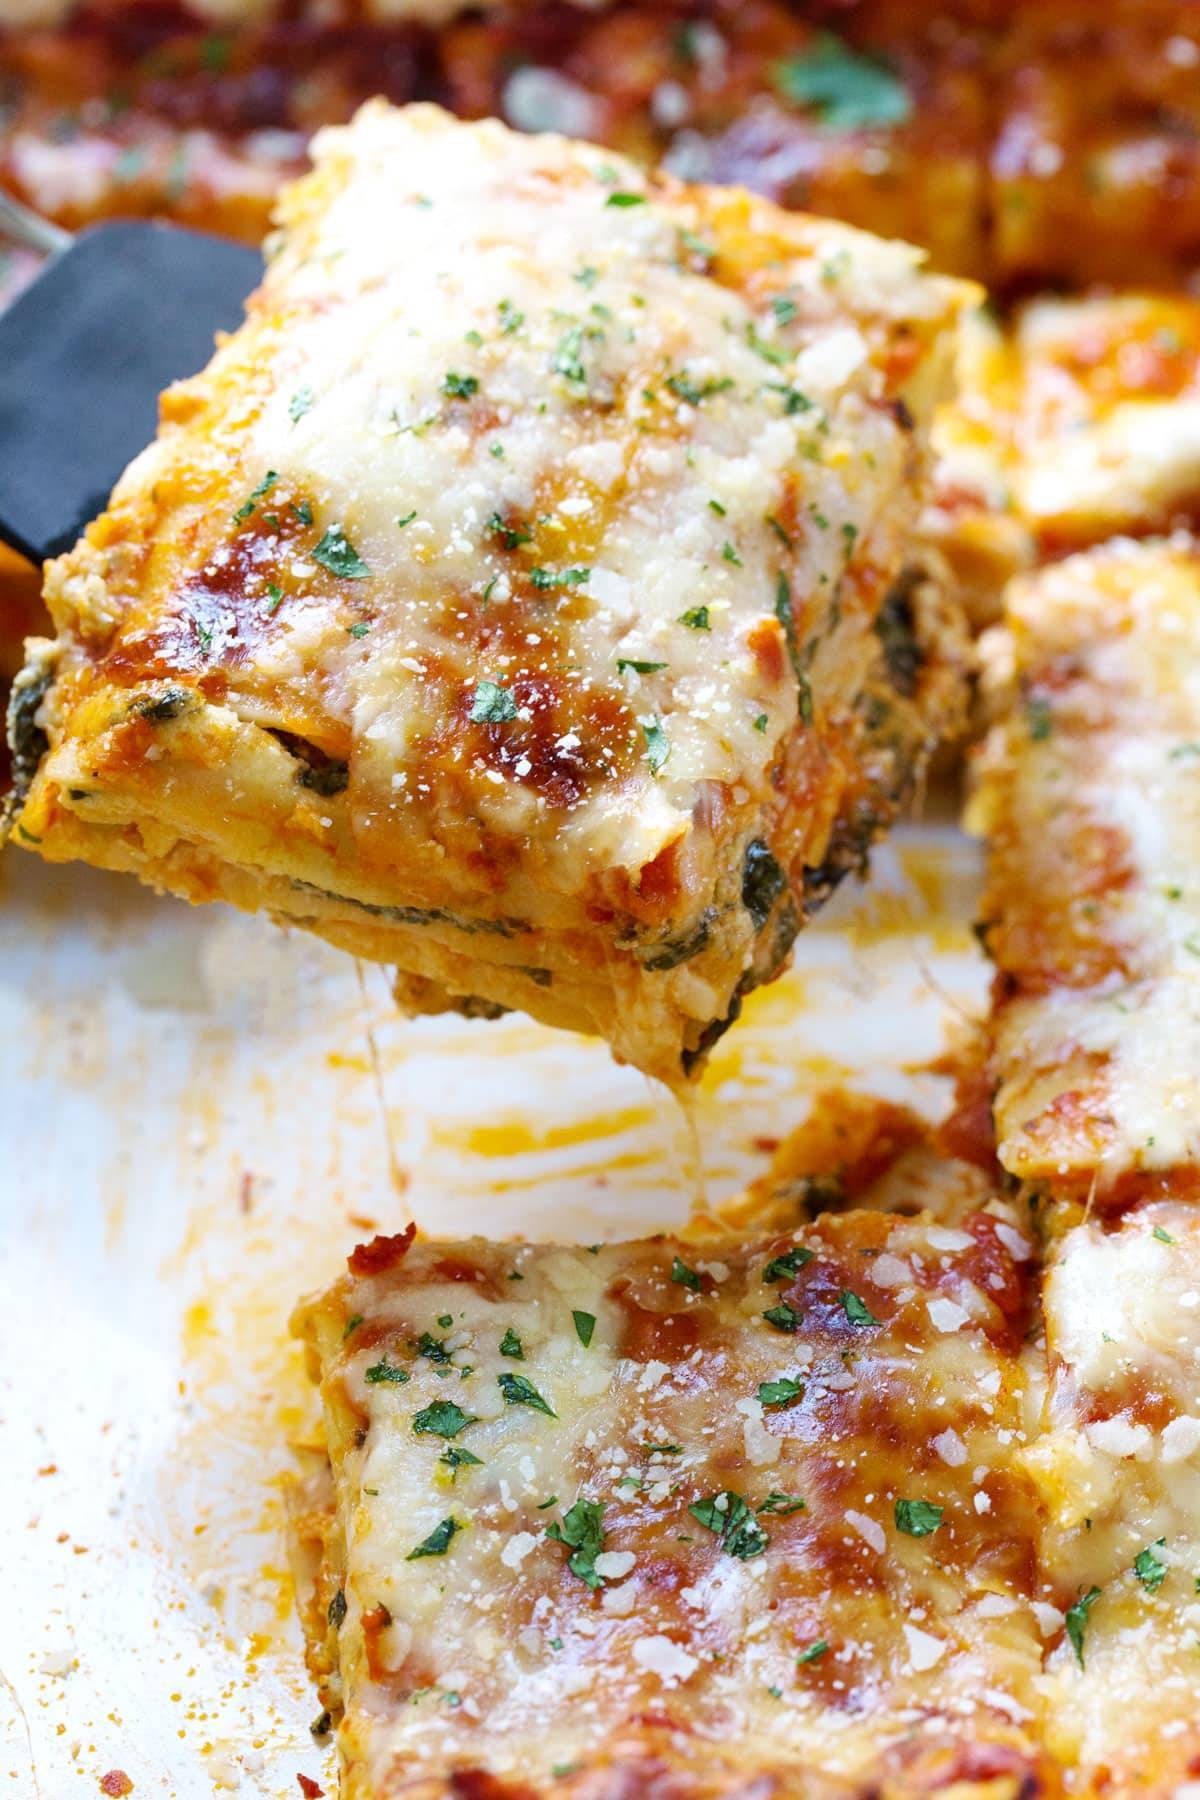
1087, 792
1116, 1465
1075, 420
669, 1517
511, 598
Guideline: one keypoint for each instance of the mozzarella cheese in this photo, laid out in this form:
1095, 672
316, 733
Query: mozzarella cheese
1088, 793
730, 1514
501, 602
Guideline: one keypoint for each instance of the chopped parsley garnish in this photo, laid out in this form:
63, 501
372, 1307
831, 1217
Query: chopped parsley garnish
780, 1392
275, 596
761, 723
1077, 1619
623, 199
695, 618
385, 1371
787, 618
782, 1504
856, 1310
406, 519
511, 536
785, 310
302, 511
459, 387
438, 1541
336, 1611
585, 1325
761, 346
1149, 1567
814, 1653
552, 578
781, 532
582, 1531
352, 1324
510, 1345
568, 356
432, 1348
728, 1515
696, 246
442, 1419
1039, 719
510, 318
456, 1458
264, 487
336, 553
693, 392
788, 1262
1164, 1237
847, 91
663, 1449
519, 1392
682, 1276
630, 663
783, 1317
658, 744
492, 705
730, 555
300, 403
445, 1320
359, 629
917, 1518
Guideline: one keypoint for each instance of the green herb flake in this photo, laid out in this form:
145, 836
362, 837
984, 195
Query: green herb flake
776, 354
783, 1317
781, 1392
274, 597
658, 745
582, 1531
585, 1325
856, 1310
492, 705
917, 1518
789, 1262
336, 553
459, 387
300, 403
846, 90
1164, 1237
442, 1419
543, 579
438, 1541
510, 1345
624, 199
682, 1276
519, 1392
405, 519
761, 723
568, 356
694, 392
728, 1515
629, 664
510, 318
696, 619
385, 1371
247, 507
781, 532
814, 1653
1077, 1619
782, 1504
730, 555
1039, 719
358, 630
511, 536
456, 1458
301, 511
1149, 1567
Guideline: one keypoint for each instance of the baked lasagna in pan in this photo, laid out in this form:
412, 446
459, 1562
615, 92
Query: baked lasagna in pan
670, 1518
528, 595
1087, 792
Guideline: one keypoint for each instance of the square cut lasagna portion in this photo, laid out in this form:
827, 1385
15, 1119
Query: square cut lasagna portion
1089, 794
663, 1517
527, 595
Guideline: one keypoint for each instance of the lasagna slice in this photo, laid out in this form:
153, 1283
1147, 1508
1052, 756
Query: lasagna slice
1088, 793
1117, 1468
506, 599
670, 1517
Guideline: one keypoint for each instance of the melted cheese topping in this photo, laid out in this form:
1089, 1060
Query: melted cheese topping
1118, 1469
514, 572
814, 1630
1089, 793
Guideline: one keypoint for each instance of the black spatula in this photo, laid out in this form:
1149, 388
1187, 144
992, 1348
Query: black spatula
115, 316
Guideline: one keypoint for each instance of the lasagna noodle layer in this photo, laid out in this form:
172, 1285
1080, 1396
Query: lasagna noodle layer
504, 597
658, 1513
1087, 794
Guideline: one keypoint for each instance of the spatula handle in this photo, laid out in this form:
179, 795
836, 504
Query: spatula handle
22, 226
